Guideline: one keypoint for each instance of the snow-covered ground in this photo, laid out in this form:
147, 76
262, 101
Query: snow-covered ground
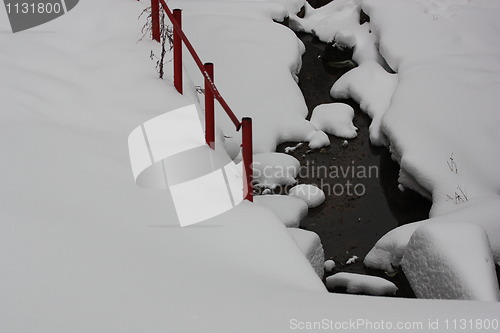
85, 249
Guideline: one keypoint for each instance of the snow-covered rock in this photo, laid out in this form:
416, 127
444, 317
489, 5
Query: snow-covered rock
361, 284
290, 210
387, 253
335, 119
275, 169
372, 87
329, 265
310, 244
318, 139
452, 261
311, 194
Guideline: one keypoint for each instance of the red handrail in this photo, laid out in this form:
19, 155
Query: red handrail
201, 67
210, 93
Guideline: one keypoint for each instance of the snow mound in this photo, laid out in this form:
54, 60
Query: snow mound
335, 119
275, 169
361, 284
329, 265
311, 194
290, 210
318, 139
310, 244
451, 261
372, 87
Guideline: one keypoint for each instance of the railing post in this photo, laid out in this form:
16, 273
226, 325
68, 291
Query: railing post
247, 153
155, 20
209, 107
178, 52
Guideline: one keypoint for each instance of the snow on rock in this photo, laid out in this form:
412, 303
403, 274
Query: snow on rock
335, 119
290, 210
310, 245
311, 194
319, 139
485, 212
451, 261
329, 265
361, 284
387, 253
275, 169
326, 21
372, 87
338, 23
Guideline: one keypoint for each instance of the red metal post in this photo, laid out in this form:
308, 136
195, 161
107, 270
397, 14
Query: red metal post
209, 107
247, 153
155, 20
178, 51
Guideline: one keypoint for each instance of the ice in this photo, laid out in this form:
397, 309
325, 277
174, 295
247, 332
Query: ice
311, 194
372, 87
451, 260
361, 284
288, 209
310, 245
319, 139
275, 169
329, 265
335, 119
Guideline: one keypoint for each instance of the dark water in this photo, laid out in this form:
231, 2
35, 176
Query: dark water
354, 216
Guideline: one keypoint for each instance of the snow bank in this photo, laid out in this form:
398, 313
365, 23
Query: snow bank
452, 261
311, 194
361, 284
275, 169
288, 209
372, 87
256, 78
310, 245
335, 119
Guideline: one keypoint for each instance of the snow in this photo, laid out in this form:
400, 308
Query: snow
329, 265
372, 87
288, 209
433, 101
275, 169
361, 284
269, 93
83, 248
335, 119
351, 260
451, 261
319, 140
311, 194
310, 245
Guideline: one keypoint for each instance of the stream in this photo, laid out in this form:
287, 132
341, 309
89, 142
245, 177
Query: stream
360, 207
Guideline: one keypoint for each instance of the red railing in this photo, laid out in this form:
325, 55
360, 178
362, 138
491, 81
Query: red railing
211, 91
